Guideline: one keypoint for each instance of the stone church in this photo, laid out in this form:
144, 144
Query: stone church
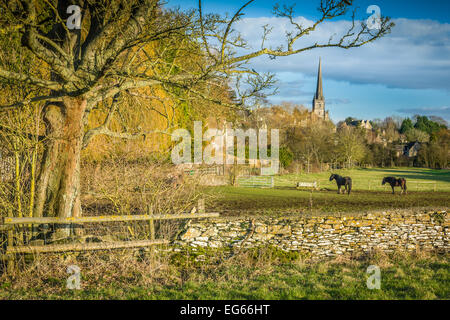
318, 104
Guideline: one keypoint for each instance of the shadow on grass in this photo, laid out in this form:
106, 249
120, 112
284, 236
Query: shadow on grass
287, 200
435, 175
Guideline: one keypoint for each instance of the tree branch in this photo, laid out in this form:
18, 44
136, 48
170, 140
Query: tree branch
28, 79
29, 101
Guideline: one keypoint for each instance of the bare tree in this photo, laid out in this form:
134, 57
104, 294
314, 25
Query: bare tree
351, 145
123, 48
312, 143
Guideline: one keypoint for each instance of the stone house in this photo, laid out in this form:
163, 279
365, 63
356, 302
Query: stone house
411, 149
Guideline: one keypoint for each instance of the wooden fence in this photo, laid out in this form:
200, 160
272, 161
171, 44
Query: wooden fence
12, 248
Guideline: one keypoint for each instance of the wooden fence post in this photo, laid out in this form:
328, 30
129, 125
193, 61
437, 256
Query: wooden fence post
311, 200
151, 223
10, 240
201, 206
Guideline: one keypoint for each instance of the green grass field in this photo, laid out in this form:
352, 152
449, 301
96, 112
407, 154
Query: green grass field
264, 275
418, 179
367, 193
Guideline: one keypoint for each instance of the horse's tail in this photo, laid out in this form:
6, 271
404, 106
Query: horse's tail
349, 185
404, 184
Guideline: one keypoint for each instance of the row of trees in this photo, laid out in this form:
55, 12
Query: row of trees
321, 143
436, 153
423, 124
317, 142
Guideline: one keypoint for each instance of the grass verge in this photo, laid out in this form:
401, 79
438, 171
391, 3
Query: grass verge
264, 273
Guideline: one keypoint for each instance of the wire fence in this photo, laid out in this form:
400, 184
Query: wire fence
6, 168
369, 184
256, 181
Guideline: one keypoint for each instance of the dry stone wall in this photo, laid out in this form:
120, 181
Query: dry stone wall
325, 235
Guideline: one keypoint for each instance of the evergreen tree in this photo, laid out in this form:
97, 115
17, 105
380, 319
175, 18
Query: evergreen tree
407, 125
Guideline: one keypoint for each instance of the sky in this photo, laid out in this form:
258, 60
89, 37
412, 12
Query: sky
405, 73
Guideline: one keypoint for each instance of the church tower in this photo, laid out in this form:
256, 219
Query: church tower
318, 105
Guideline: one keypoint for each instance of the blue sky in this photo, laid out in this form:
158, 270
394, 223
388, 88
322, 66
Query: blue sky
405, 73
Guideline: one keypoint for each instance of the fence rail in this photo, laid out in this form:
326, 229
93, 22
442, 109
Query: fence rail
93, 219
12, 248
84, 246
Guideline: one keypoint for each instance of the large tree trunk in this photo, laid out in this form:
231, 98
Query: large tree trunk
58, 188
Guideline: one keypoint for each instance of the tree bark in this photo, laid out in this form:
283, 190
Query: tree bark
58, 187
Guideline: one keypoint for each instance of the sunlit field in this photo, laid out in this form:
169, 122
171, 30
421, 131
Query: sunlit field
418, 179
426, 188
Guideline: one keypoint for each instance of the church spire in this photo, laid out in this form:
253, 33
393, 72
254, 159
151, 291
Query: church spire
318, 105
319, 90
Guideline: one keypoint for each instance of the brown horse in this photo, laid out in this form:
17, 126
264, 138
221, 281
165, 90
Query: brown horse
394, 182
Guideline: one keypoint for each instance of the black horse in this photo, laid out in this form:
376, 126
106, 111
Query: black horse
342, 181
394, 182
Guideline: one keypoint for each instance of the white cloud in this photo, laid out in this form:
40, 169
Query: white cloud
415, 55
443, 112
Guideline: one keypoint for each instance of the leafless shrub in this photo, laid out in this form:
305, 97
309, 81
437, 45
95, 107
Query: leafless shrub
121, 187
